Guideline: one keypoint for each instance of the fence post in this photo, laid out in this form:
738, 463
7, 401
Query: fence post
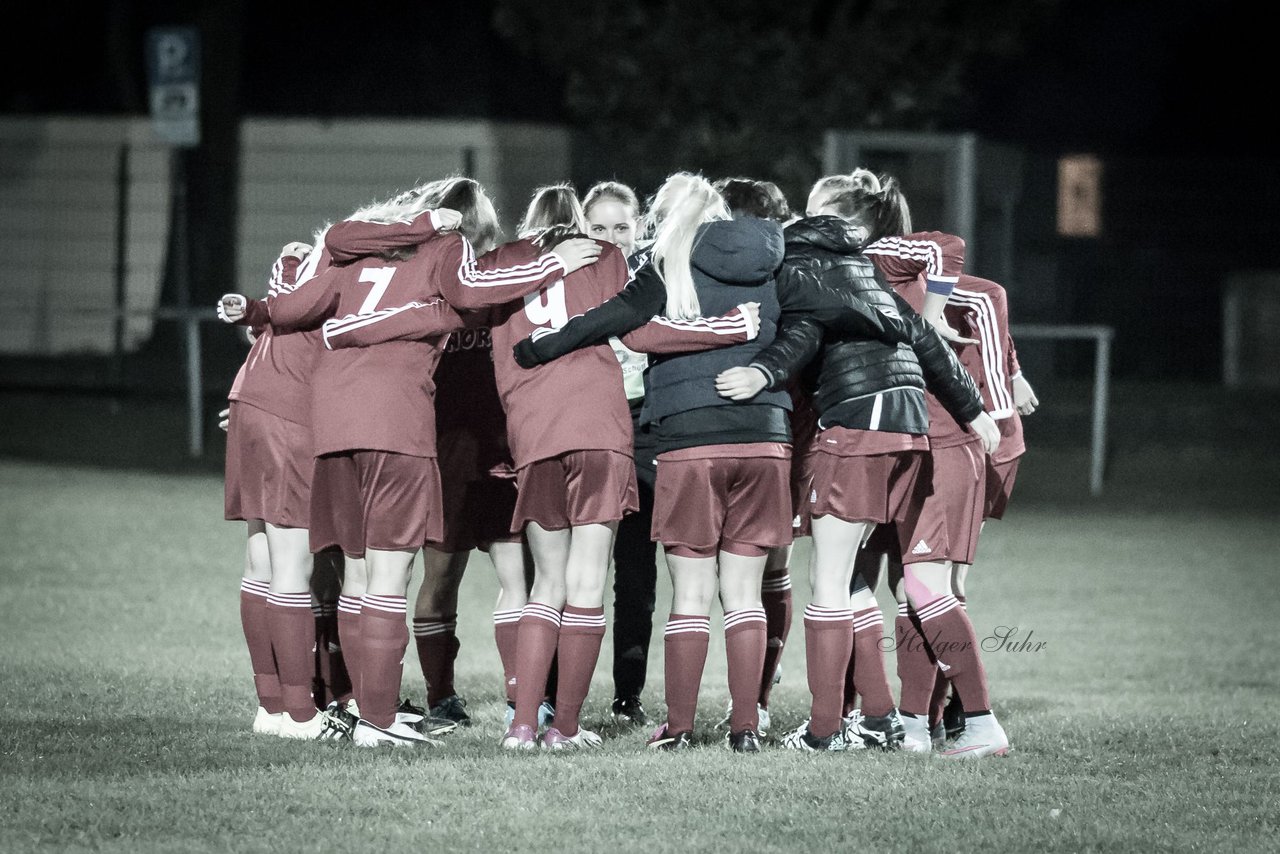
1101, 380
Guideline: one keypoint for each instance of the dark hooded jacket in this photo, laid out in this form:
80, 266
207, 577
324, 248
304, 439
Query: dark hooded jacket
858, 381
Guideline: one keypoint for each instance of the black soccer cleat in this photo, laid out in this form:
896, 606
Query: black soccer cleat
452, 708
953, 718
629, 711
664, 739
883, 731
746, 741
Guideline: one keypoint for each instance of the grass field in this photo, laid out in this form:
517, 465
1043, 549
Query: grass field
1146, 721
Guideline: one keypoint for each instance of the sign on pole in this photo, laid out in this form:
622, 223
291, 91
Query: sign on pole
173, 72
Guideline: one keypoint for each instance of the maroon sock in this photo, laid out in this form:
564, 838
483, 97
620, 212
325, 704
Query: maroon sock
685, 643
867, 666
257, 636
915, 664
776, 598
744, 640
384, 637
437, 642
828, 637
581, 631
506, 626
349, 610
539, 631
850, 686
293, 637
954, 642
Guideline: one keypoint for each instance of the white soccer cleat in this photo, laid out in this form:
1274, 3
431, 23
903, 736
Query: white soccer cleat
553, 739
801, 739
916, 737
399, 734
982, 736
852, 731
308, 730
266, 723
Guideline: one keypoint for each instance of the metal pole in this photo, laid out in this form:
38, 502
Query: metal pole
1101, 380
1231, 336
191, 338
122, 263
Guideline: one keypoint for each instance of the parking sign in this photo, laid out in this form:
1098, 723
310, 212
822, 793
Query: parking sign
173, 71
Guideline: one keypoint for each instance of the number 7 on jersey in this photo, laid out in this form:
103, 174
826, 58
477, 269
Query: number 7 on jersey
380, 278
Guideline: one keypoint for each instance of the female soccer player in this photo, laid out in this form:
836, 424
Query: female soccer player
268, 485
376, 490
862, 464
612, 213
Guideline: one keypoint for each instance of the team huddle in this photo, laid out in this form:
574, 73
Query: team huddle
712, 374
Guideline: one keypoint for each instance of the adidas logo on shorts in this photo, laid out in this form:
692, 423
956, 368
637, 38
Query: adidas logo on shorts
922, 548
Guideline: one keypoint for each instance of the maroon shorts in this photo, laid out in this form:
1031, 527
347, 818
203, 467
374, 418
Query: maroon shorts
477, 513
944, 516
875, 488
268, 468
1000, 478
577, 488
734, 498
375, 500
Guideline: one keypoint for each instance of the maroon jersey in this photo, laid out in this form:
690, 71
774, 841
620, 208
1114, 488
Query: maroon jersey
276, 375
375, 394
577, 402
911, 264
978, 308
467, 405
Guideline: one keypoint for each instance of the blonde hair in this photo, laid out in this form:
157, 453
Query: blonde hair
554, 205
405, 206
618, 192
683, 203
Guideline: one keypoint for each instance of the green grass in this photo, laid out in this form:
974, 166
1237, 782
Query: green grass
1146, 722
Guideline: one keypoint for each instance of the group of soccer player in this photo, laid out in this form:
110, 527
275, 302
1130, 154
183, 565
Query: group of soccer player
713, 374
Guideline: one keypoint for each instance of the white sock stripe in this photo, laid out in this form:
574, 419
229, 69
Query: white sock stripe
743, 616
350, 605
690, 621
902, 609
542, 612
870, 621
938, 607
688, 627
571, 618
833, 615
501, 618
290, 600
422, 630
254, 588
387, 604
776, 584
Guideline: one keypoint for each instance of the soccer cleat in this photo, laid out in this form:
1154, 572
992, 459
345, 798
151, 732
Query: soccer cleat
762, 719
519, 738
399, 734
546, 714
629, 711
915, 734
308, 730
509, 715
746, 741
883, 731
850, 731
982, 736
953, 717
407, 712
266, 723
452, 708
339, 723
777, 673
553, 739
938, 735
664, 739
801, 739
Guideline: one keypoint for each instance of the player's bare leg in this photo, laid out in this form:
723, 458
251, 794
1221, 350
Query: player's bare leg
255, 588
510, 565
293, 628
435, 631
581, 631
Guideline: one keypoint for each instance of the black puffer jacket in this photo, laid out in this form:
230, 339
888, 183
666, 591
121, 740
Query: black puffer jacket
860, 382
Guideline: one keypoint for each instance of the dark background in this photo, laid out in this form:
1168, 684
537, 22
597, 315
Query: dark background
1163, 92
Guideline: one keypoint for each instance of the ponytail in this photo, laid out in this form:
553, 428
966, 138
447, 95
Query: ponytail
684, 202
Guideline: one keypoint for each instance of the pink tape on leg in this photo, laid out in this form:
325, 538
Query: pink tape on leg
919, 594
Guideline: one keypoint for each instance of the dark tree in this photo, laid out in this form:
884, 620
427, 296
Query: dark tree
749, 87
